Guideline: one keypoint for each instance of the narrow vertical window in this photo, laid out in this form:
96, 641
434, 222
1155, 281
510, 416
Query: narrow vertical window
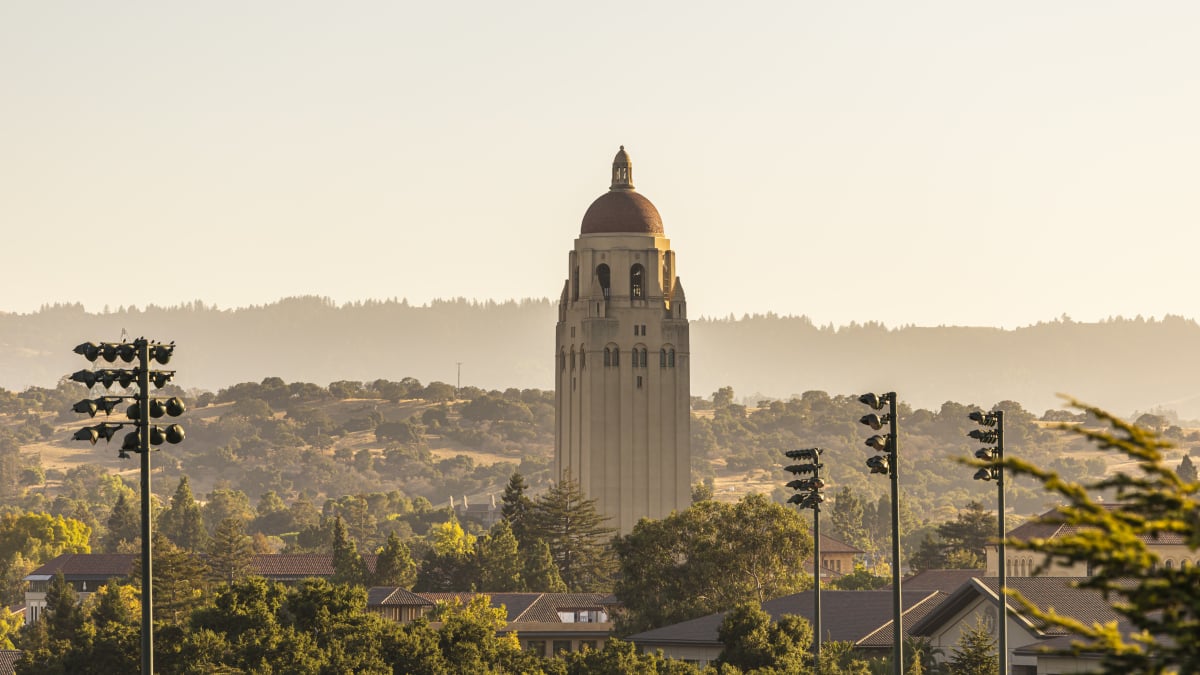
637, 281
582, 357
607, 357
662, 358
602, 275
671, 359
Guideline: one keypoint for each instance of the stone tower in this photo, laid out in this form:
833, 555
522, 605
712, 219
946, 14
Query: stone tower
622, 385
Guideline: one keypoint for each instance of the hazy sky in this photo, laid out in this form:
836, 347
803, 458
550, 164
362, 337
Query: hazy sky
906, 162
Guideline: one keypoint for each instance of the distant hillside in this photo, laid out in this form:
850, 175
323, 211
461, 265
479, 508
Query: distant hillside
1125, 365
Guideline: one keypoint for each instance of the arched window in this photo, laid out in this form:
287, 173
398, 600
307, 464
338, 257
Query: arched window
662, 358
643, 357
671, 358
637, 281
602, 275
582, 357
575, 284
562, 359
607, 356
572, 358
616, 356
1170, 564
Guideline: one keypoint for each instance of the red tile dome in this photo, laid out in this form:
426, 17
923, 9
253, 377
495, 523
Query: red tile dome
622, 209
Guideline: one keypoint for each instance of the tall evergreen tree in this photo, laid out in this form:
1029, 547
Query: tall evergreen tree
516, 506
539, 572
848, 518
64, 616
348, 565
1186, 470
499, 561
394, 565
180, 580
124, 526
183, 522
231, 551
578, 539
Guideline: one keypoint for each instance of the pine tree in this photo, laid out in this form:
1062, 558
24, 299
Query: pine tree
183, 523
516, 507
975, 653
63, 614
499, 561
231, 551
394, 565
180, 580
124, 526
348, 565
539, 573
578, 539
1187, 470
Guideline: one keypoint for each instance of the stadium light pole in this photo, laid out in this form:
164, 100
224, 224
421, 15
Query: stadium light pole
139, 440
992, 433
887, 463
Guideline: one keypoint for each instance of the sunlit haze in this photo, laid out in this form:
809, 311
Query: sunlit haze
911, 163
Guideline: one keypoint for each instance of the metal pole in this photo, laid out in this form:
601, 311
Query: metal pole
817, 585
143, 425
897, 615
1003, 572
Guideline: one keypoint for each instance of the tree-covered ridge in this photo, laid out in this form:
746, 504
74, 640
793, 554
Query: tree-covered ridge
511, 344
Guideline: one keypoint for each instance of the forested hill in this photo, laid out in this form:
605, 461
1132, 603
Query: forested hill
1125, 365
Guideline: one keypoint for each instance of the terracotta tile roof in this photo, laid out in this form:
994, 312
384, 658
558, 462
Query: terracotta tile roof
1037, 528
831, 545
380, 596
89, 565
8, 661
845, 615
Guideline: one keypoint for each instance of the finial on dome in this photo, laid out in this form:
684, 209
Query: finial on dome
622, 174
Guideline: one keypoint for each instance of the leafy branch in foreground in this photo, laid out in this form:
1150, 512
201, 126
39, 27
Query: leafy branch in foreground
1160, 605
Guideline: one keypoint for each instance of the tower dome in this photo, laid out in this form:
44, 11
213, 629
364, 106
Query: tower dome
622, 209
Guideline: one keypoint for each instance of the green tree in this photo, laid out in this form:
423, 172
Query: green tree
516, 507
538, 571
348, 565
710, 558
753, 642
623, 658
183, 522
180, 580
499, 561
971, 530
848, 519
231, 551
394, 565
225, 503
124, 526
975, 652
1157, 601
1186, 470
577, 536
10, 625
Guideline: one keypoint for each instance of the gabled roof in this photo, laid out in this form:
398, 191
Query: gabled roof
1058, 593
1036, 529
287, 565
86, 566
529, 607
831, 545
845, 615
946, 581
392, 596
